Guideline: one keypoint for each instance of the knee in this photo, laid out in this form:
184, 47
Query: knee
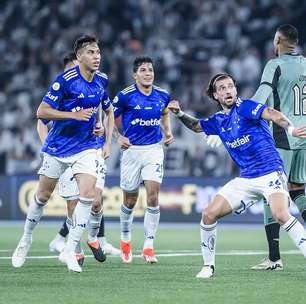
281, 216
152, 199
43, 196
209, 216
96, 206
130, 199
88, 193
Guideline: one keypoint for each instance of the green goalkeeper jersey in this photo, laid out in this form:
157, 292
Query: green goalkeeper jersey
283, 87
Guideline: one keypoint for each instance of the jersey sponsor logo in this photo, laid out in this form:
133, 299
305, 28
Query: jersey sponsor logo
56, 86
77, 109
145, 123
52, 97
254, 112
238, 142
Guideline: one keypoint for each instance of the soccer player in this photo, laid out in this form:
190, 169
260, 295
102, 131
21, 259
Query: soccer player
71, 102
68, 189
243, 128
283, 86
143, 108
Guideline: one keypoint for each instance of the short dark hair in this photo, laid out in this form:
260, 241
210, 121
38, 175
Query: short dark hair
139, 61
83, 41
211, 88
289, 32
69, 57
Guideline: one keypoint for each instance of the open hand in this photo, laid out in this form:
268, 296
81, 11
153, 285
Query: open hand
299, 132
213, 141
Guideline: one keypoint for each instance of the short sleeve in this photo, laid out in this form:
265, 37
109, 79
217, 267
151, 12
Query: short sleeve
105, 101
118, 104
44, 121
55, 93
250, 109
209, 126
269, 73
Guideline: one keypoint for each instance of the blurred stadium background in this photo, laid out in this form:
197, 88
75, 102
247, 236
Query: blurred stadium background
189, 41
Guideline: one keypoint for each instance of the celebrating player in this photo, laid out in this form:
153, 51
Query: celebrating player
71, 103
68, 189
143, 108
243, 128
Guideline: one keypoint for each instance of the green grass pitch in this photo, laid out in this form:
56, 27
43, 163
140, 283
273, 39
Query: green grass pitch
45, 280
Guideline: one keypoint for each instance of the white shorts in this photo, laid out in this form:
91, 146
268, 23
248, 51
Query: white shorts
140, 163
83, 162
242, 193
67, 185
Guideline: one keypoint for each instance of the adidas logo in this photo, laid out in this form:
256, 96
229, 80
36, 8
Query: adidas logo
137, 107
81, 95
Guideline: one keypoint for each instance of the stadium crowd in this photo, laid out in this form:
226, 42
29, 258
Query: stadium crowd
189, 41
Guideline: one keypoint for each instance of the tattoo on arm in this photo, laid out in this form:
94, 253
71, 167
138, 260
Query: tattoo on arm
279, 118
191, 123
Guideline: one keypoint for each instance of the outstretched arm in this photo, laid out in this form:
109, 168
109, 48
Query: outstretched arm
281, 120
189, 121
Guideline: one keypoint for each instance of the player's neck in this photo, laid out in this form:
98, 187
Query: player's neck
87, 74
286, 50
144, 90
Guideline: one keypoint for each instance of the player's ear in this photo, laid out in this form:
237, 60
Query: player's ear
215, 95
134, 76
78, 55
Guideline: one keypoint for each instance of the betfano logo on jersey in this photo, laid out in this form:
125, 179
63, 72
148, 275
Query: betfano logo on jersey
238, 142
147, 123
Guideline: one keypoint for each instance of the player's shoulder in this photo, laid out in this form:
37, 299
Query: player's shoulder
69, 75
160, 90
63, 79
101, 75
273, 63
128, 90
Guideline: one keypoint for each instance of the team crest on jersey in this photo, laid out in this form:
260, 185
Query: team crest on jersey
116, 99
56, 86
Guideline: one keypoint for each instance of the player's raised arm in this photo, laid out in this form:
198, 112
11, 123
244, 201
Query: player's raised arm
189, 121
281, 120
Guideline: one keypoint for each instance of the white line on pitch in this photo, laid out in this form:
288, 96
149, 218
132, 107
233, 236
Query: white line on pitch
176, 254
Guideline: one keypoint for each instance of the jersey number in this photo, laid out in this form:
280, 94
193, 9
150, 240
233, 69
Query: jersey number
299, 100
